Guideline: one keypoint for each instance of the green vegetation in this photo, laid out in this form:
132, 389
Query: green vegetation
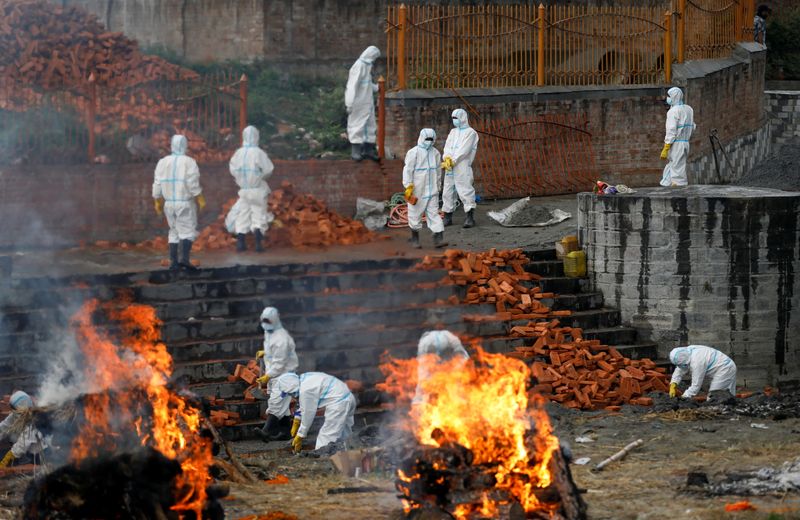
783, 40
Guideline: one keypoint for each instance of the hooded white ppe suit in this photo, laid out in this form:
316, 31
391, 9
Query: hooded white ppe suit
177, 181
442, 343
30, 439
315, 390
461, 145
423, 171
680, 125
361, 126
279, 357
702, 361
250, 167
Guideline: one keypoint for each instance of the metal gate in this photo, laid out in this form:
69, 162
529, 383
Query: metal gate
548, 154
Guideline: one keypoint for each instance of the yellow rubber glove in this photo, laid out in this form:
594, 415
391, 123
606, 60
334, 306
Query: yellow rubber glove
201, 201
7, 460
297, 444
295, 426
673, 389
158, 204
263, 380
448, 163
259, 354
665, 151
409, 191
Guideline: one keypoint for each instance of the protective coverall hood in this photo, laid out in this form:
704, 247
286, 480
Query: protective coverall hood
179, 144
674, 97
443, 343
250, 136
680, 356
288, 384
370, 54
271, 314
461, 115
424, 134
20, 400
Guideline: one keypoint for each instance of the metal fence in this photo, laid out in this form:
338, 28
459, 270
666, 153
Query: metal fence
122, 124
506, 45
547, 154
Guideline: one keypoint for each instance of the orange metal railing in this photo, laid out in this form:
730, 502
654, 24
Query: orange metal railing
710, 28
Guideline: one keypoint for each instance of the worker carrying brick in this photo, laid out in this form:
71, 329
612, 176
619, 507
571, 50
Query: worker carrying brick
421, 177
277, 357
250, 167
315, 390
435, 347
680, 125
459, 152
19, 428
177, 194
701, 361
360, 104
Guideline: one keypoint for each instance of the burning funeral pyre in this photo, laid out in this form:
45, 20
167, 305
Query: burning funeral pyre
139, 448
482, 446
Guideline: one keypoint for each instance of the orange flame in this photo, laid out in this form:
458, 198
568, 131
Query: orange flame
139, 365
482, 404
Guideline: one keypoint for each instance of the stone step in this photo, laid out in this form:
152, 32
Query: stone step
563, 285
587, 320
612, 335
546, 267
541, 254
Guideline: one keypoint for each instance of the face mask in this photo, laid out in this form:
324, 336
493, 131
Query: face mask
268, 327
456, 122
426, 145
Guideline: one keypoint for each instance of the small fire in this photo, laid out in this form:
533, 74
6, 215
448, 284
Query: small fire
129, 397
481, 403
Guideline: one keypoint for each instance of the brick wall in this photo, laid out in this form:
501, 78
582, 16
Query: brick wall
784, 115
46, 206
627, 123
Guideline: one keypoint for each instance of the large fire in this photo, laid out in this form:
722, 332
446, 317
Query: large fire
483, 405
129, 397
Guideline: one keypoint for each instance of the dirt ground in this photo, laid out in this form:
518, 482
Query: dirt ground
650, 483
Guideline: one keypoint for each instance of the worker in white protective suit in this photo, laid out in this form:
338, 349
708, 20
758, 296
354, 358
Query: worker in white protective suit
177, 193
434, 347
421, 177
680, 125
315, 390
250, 167
277, 357
702, 361
27, 438
459, 152
358, 99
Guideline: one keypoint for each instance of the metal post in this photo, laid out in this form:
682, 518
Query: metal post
381, 116
668, 47
540, 49
90, 116
401, 47
242, 104
681, 30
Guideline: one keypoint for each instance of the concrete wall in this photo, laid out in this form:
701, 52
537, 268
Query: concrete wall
784, 115
627, 123
709, 265
46, 206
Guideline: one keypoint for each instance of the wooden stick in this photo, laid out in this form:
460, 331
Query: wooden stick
234, 459
618, 455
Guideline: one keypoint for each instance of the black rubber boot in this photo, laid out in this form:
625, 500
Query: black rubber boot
173, 257
283, 429
241, 242
269, 429
186, 249
259, 236
371, 152
414, 240
470, 220
448, 219
356, 152
438, 240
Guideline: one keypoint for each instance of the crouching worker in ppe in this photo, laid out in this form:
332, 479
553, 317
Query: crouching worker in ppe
435, 347
177, 194
277, 357
680, 125
421, 177
315, 390
250, 167
27, 439
459, 152
701, 362
358, 98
